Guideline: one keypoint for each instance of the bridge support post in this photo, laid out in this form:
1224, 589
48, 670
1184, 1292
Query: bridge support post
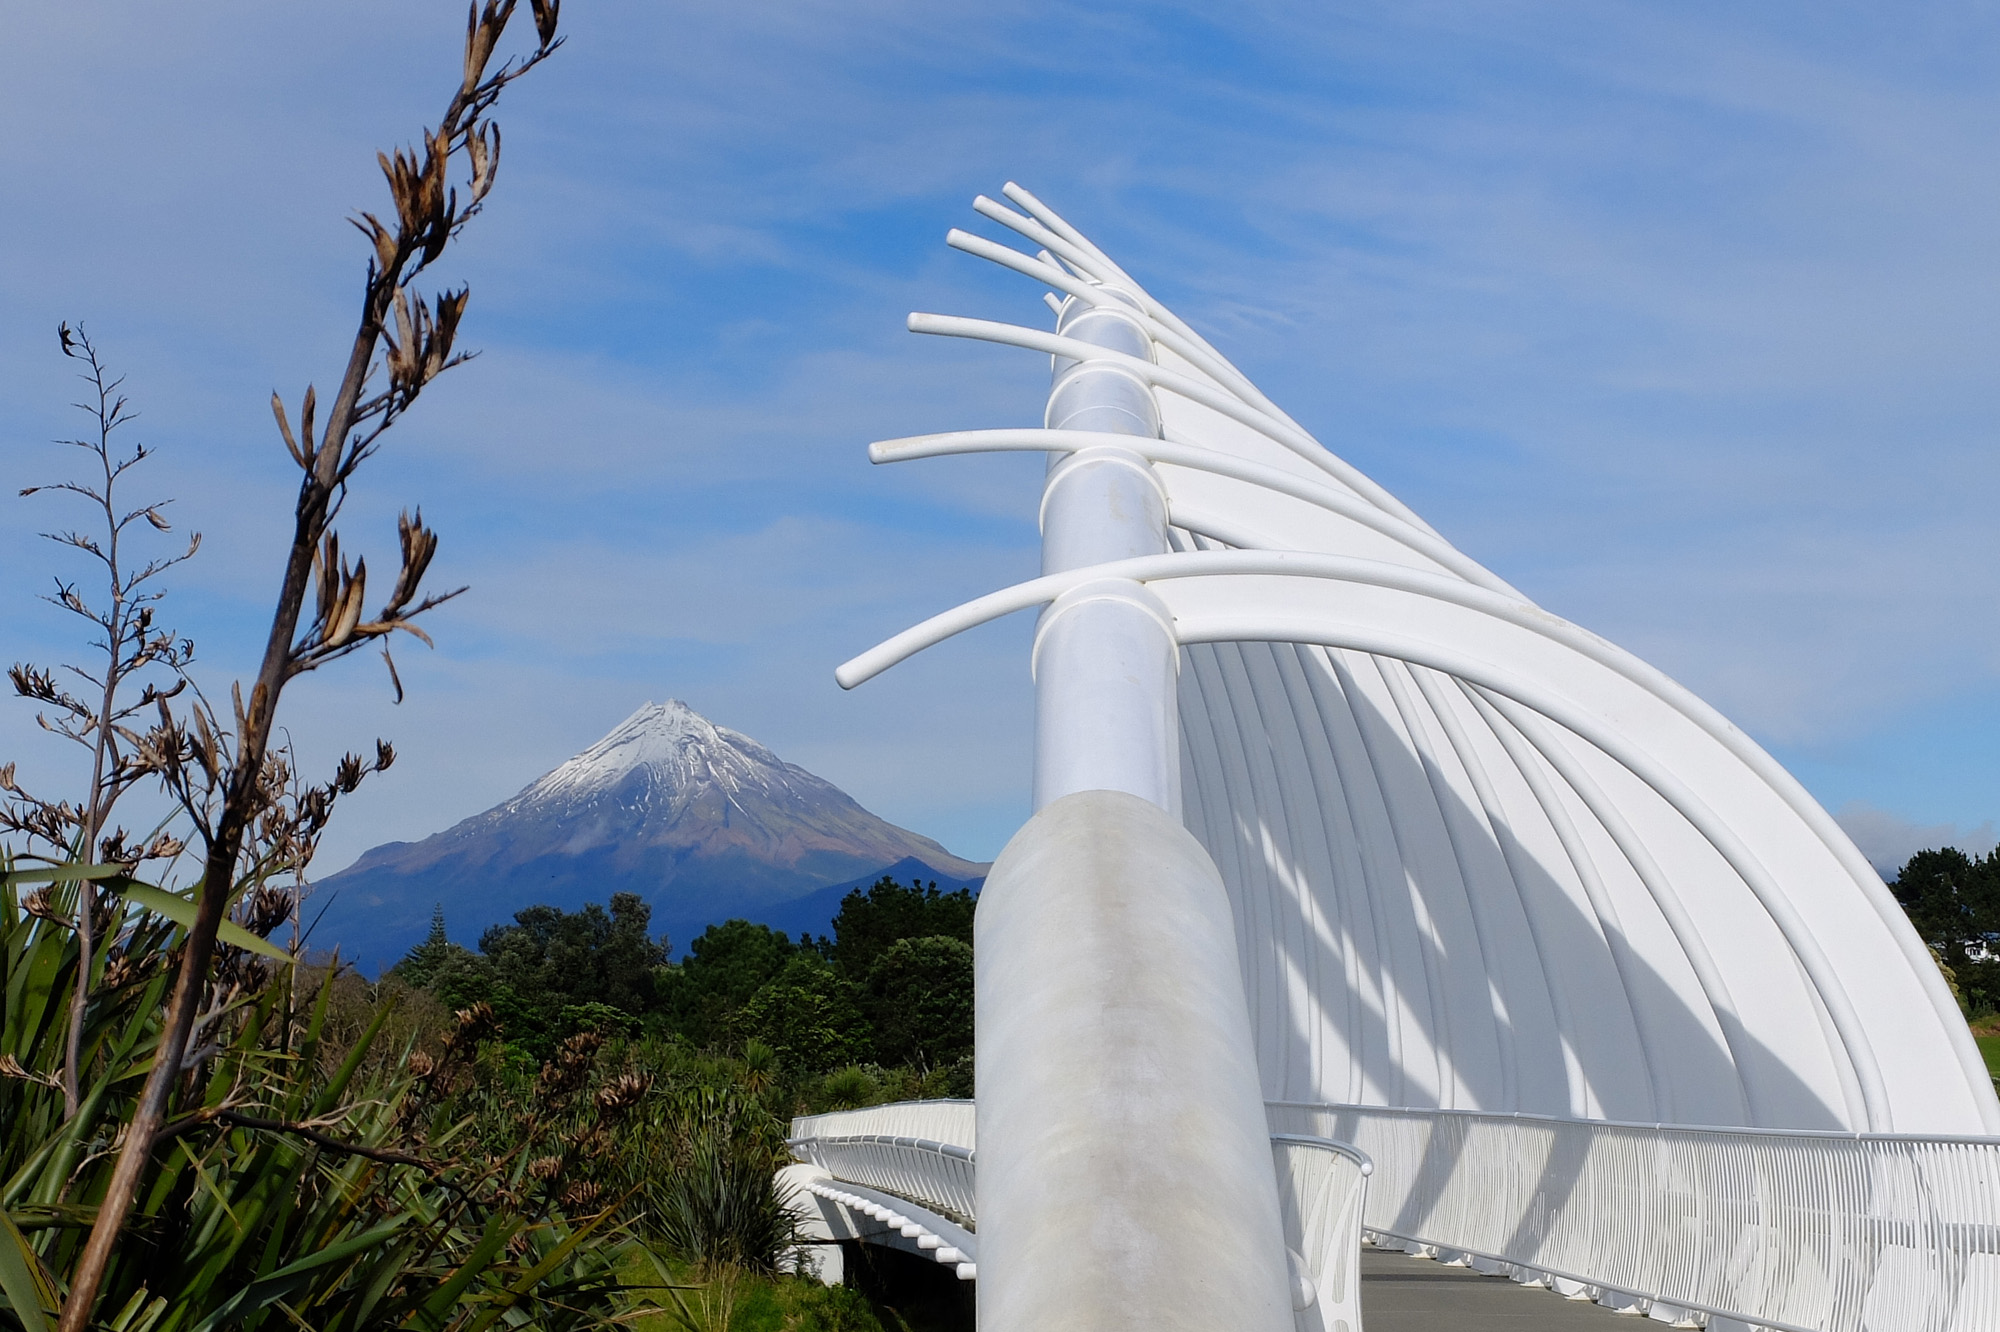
1125, 1174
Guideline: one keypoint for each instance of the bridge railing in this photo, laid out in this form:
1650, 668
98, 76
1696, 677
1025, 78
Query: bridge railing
1321, 1188
937, 1174
1818, 1232
940, 1121
1813, 1232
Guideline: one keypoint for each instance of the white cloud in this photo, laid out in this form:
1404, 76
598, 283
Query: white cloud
1682, 319
1888, 841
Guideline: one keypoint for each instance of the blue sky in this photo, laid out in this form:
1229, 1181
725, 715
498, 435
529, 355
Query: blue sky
1681, 317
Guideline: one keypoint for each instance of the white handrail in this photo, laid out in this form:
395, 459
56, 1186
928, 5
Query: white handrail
1808, 1231
1803, 1230
936, 1174
943, 1120
1322, 1189
1322, 1183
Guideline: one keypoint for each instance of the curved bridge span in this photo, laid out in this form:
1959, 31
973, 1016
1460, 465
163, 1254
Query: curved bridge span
1339, 836
1716, 1227
924, 1190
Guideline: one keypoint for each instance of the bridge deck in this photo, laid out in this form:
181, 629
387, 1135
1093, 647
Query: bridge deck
1404, 1294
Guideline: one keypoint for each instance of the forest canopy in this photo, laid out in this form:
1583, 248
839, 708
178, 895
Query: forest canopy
890, 986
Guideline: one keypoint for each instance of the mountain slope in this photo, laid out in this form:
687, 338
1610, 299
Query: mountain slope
701, 821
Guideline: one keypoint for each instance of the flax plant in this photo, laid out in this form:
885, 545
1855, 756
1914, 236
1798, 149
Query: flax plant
249, 815
130, 647
286, 1194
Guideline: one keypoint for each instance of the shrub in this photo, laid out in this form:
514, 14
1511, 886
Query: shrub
722, 1209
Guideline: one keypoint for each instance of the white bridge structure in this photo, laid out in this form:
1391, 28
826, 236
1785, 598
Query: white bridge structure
1346, 855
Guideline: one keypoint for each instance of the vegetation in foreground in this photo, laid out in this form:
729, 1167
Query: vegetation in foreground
663, 1092
299, 1181
198, 1134
352, 1156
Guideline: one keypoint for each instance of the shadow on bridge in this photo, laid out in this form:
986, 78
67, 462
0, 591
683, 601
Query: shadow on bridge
1403, 946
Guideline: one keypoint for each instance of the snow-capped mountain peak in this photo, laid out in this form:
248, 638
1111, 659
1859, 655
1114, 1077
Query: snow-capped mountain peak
699, 820
678, 748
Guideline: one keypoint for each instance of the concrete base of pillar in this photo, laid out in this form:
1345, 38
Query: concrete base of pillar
1124, 1160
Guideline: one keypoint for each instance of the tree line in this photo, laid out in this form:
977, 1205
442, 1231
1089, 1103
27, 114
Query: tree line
890, 987
1953, 900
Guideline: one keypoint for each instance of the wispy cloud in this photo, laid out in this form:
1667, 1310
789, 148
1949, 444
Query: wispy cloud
1889, 841
1681, 318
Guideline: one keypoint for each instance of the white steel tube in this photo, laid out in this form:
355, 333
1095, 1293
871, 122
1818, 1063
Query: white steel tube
1104, 664
1168, 450
1106, 714
1186, 386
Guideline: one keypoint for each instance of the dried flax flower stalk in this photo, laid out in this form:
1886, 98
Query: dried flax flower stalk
221, 768
102, 716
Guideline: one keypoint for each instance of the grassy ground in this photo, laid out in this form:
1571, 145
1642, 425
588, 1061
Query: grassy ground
740, 1302
1990, 1047
884, 1298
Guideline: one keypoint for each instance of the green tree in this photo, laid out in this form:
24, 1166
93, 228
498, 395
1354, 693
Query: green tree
810, 1015
869, 922
1953, 901
550, 960
728, 964
422, 965
455, 975
920, 1000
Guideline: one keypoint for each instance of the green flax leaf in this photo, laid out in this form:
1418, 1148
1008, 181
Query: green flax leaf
23, 1280
66, 873
181, 911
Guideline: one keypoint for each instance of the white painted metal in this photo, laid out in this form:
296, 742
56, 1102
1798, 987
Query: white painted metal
860, 1175
1323, 1187
942, 1121
1105, 893
1424, 543
1105, 657
1619, 888
1818, 1232
936, 1174
829, 1209
1477, 859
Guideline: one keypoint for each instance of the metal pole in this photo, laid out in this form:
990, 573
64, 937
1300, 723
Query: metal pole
1105, 658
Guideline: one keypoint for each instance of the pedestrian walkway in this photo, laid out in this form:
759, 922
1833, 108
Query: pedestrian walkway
1404, 1294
